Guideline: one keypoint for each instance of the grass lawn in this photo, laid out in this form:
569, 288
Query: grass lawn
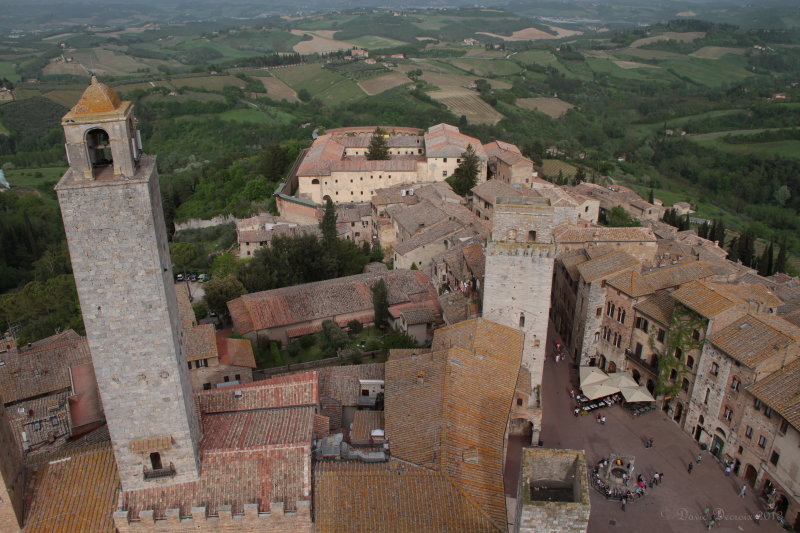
8, 71
39, 179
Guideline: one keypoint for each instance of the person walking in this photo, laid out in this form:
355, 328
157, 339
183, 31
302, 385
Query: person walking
742, 491
757, 518
728, 469
699, 458
624, 499
691, 465
660, 477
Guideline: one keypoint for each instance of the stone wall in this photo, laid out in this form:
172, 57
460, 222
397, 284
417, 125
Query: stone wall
565, 468
276, 521
12, 485
118, 246
198, 223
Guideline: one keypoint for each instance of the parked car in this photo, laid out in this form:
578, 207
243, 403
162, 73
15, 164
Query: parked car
202, 278
192, 277
179, 277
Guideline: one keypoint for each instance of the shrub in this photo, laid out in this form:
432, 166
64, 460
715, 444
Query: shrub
307, 341
355, 327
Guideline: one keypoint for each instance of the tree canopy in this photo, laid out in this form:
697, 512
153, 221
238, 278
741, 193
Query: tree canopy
378, 147
220, 291
617, 217
465, 176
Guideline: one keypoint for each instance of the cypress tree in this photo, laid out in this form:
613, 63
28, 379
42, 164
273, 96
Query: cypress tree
765, 262
780, 263
378, 147
651, 197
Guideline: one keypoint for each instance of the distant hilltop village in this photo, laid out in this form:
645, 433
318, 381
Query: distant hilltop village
155, 423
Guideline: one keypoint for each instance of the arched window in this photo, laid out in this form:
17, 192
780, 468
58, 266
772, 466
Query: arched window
99, 147
522, 320
315, 181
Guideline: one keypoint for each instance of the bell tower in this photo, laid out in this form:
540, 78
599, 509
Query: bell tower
111, 206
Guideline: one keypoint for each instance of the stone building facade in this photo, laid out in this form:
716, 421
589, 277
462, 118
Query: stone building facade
111, 205
12, 480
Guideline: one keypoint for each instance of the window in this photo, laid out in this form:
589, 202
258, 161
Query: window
155, 461
708, 393
638, 350
642, 324
445, 160
728, 414
696, 335
201, 363
757, 404
522, 320
53, 421
238, 377
597, 336
444, 173
762, 441
685, 385
735, 384
226, 379
519, 402
714, 369
748, 432
598, 311
622, 319
206, 386
784, 427
678, 354
661, 335
768, 412
689, 361
774, 458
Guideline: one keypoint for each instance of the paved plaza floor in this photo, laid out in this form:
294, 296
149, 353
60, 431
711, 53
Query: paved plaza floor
677, 504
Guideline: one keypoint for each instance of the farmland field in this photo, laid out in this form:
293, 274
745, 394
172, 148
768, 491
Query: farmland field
67, 98
321, 83
278, 90
488, 67
373, 41
685, 37
552, 167
27, 178
648, 54
467, 103
8, 71
318, 44
527, 34
383, 83
553, 107
716, 52
536, 57
214, 83
711, 73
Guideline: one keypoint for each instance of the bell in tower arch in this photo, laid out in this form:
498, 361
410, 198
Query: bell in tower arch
102, 143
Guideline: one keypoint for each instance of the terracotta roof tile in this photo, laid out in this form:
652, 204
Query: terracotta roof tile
572, 234
781, 391
250, 430
752, 339
152, 444
704, 299
285, 391
636, 284
658, 307
447, 410
606, 265
364, 422
490, 190
76, 494
41, 369
444, 140
391, 497
200, 342
342, 382
326, 299
235, 352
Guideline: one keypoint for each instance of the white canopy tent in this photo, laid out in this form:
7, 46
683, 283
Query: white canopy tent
590, 375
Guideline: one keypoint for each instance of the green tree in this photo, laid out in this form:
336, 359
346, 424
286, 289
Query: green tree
376, 256
304, 95
465, 176
224, 265
380, 302
617, 217
183, 254
378, 147
355, 327
780, 263
329, 261
220, 291
766, 265
651, 196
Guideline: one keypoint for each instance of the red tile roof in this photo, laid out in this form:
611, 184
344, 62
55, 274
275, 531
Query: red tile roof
251, 430
234, 352
342, 382
284, 391
294, 306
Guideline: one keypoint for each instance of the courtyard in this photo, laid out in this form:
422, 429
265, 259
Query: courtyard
675, 505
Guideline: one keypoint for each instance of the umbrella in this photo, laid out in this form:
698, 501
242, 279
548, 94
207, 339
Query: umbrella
591, 374
598, 390
637, 394
621, 380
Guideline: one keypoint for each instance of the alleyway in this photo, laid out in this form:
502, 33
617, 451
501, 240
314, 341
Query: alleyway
674, 506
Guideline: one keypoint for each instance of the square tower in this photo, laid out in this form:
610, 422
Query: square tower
12, 478
111, 206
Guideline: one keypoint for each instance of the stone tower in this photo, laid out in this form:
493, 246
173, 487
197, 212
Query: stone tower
12, 486
519, 277
111, 206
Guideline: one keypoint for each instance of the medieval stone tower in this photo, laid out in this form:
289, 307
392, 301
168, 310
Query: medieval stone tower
519, 277
12, 485
111, 206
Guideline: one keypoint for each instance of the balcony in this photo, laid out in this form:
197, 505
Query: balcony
653, 369
159, 472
